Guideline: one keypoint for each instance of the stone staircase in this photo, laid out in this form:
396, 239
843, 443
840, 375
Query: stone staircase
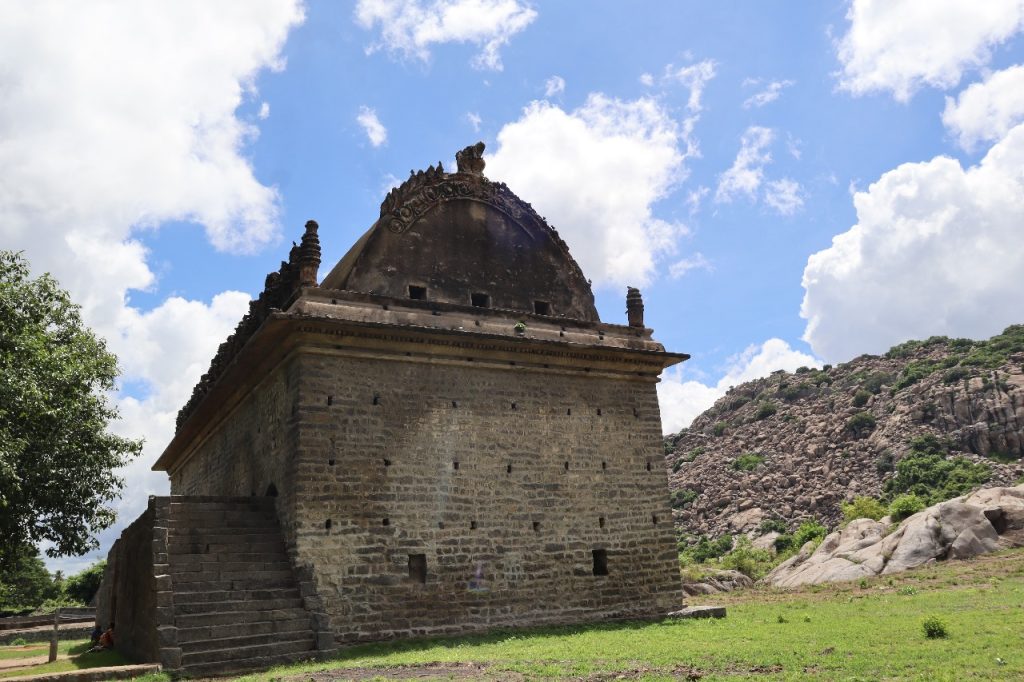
237, 604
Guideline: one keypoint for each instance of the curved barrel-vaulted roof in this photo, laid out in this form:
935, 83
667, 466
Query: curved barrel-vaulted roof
461, 238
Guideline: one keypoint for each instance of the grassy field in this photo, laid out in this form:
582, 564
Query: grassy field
871, 630
75, 649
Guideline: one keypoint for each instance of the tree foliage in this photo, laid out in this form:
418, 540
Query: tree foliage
927, 473
82, 586
57, 458
25, 583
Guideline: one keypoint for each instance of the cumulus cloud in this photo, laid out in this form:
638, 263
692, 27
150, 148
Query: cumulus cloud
474, 120
682, 400
695, 262
646, 79
902, 45
374, 129
595, 172
264, 112
410, 27
745, 175
695, 77
985, 111
97, 147
554, 86
768, 94
937, 249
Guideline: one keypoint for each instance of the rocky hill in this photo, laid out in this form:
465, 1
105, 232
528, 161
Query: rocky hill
794, 446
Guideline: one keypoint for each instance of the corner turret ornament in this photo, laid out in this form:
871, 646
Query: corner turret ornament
634, 307
471, 159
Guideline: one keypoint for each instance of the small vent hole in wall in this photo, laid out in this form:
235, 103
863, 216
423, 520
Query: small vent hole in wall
648, 466
376, 400
604, 466
330, 400
480, 300
654, 519
508, 469
387, 462
330, 462
600, 562
542, 307
440, 524
636, 413
385, 522
455, 403
455, 465
513, 406
417, 293
536, 526
418, 567
599, 412
566, 466
327, 524
600, 521
569, 411
472, 525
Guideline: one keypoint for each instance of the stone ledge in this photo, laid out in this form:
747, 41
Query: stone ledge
119, 672
699, 612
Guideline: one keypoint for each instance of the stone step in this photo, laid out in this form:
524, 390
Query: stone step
206, 597
270, 650
244, 504
183, 567
246, 640
234, 585
237, 667
234, 576
236, 629
183, 547
237, 605
176, 531
222, 536
183, 559
197, 620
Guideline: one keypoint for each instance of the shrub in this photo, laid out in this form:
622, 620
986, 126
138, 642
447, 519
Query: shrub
677, 465
863, 508
956, 374
706, 549
905, 506
737, 403
1003, 457
914, 372
861, 398
934, 628
790, 393
876, 380
693, 454
772, 526
82, 587
825, 368
748, 461
808, 531
745, 558
860, 424
683, 497
19, 641
927, 472
885, 463
803, 370
766, 410
718, 429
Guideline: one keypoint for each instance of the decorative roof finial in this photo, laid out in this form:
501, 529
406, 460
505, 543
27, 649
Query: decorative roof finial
471, 159
634, 307
309, 255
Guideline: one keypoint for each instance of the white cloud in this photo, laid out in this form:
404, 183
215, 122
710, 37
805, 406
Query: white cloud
264, 112
474, 120
985, 111
554, 86
647, 79
784, 196
595, 173
937, 249
411, 27
901, 45
683, 400
747, 171
97, 147
770, 93
374, 129
695, 77
695, 262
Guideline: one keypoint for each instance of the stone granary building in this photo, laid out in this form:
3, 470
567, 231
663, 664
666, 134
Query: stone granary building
439, 437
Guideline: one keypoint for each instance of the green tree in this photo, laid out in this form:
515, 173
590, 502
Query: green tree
24, 582
57, 459
82, 586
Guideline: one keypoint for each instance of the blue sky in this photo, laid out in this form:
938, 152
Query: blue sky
159, 160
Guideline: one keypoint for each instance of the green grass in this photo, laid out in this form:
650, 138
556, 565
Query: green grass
866, 630
74, 648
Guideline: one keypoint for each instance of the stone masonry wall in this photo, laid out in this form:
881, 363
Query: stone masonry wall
251, 449
504, 481
128, 595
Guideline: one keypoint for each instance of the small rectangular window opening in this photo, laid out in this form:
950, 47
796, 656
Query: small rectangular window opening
480, 300
417, 293
600, 562
542, 307
536, 526
418, 567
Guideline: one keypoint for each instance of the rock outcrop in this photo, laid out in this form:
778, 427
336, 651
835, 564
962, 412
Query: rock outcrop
990, 519
795, 446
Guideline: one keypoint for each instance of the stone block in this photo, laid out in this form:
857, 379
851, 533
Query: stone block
699, 612
170, 658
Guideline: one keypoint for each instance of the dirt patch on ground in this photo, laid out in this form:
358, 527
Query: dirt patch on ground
430, 671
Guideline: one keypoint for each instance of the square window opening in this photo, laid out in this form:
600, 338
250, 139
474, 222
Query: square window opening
542, 307
600, 562
417, 293
418, 568
480, 300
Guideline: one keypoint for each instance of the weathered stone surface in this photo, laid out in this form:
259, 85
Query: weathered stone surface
699, 612
957, 529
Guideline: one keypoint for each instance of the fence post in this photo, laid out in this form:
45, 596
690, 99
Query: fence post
53, 637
